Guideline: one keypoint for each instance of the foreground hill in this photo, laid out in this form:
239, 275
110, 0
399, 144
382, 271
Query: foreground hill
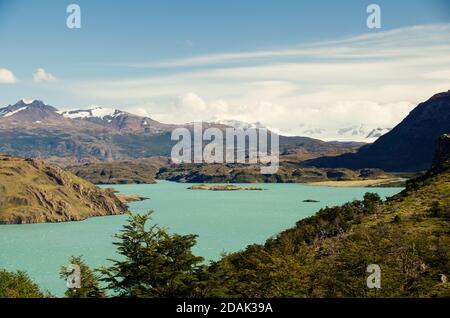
407, 147
327, 255
32, 191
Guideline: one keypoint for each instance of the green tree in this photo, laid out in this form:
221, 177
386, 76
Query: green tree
372, 203
18, 285
154, 264
90, 287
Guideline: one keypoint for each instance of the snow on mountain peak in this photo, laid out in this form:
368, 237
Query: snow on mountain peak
30, 102
27, 101
8, 113
102, 112
240, 124
359, 133
92, 112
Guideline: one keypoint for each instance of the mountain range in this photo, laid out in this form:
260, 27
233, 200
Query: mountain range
35, 129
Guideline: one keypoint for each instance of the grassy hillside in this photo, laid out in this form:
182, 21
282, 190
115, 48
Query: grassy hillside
32, 191
327, 254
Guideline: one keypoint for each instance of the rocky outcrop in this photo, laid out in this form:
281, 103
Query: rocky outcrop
31, 191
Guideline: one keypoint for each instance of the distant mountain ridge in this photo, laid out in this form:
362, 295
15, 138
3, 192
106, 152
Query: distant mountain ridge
240, 124
359, 133
362, 131
35, 129
118, 119
29, 110
407, 147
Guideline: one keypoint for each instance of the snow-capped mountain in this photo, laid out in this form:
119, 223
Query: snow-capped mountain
94, 112
361, 133
21, 105
116, 119
28, 110
99, 133
240, 124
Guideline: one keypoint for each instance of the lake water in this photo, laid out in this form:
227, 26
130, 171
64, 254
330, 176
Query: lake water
226, 221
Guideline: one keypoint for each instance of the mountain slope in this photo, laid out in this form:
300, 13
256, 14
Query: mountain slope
407, 147
327, 255
118, 120
121, 172
32, 191
29, 111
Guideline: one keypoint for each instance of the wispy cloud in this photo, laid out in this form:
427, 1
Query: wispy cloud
373, 79
394, 43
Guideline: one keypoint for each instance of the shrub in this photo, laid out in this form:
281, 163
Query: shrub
18, 285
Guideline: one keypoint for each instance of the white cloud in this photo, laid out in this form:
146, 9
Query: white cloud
41, 76
440, 75
373, 79
7, 77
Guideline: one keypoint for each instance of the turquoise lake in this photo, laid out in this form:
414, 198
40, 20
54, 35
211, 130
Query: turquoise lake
226, 221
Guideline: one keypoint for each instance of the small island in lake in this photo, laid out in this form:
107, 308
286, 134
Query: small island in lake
126, 198
311, 201
222, 187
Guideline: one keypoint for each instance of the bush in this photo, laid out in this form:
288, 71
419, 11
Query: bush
372, 203
438, 210
18, 285
397, 219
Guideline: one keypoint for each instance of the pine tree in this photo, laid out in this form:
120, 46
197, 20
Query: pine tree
90, 287
154, 263
18, 285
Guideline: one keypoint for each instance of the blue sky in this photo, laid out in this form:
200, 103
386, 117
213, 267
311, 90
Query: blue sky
195, 59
